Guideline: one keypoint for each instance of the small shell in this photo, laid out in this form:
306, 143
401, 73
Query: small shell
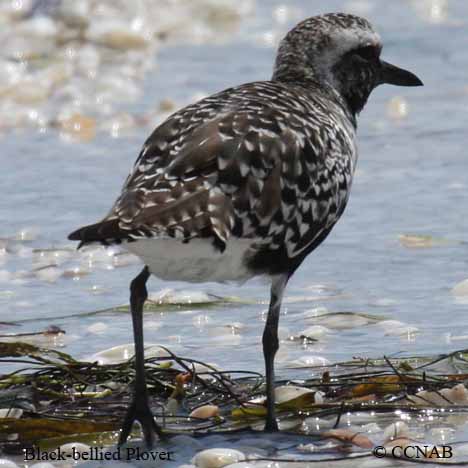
217, 457
346, 435
288, 393
205, 412
124, 352
117, 35
74, 447
315, 331
396, 430
458, 395
397, 108
98, 327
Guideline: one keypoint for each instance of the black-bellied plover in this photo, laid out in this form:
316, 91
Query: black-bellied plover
249, 181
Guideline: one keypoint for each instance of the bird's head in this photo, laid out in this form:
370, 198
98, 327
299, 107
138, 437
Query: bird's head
341, 51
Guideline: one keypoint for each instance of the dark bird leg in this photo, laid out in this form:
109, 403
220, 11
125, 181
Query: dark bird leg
139, 410
271, 345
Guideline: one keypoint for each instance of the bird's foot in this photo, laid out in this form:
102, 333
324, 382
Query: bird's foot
140, 411
271, 425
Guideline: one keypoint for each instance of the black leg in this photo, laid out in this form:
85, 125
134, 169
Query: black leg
271, 345
139, 410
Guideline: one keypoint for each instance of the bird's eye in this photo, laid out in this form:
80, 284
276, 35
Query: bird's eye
367, 53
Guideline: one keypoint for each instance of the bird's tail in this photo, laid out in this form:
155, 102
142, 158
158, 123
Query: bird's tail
105, 232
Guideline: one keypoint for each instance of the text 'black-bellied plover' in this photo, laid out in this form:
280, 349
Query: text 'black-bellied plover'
250, 180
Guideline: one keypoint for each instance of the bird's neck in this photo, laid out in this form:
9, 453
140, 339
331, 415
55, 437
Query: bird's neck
311, 83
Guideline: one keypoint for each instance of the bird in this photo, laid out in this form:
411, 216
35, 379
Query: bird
249, 181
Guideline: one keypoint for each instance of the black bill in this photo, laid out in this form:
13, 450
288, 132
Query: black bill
391, 74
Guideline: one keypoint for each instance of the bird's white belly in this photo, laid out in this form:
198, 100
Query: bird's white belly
197, 261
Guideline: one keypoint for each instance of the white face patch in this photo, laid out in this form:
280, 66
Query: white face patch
343, 41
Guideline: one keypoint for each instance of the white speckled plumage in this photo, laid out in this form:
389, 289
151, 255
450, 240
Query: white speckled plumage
269, 163
250, 180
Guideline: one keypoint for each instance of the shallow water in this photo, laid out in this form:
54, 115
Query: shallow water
411, 180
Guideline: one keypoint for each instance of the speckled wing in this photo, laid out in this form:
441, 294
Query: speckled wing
227, 167
205, 184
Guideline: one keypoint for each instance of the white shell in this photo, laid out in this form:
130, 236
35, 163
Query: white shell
76, 447
286, 393
217, 457
15, 413
124, 352
49, 274
309, 361
457, 395
396, 430
461, 289
397, 328
181, 297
